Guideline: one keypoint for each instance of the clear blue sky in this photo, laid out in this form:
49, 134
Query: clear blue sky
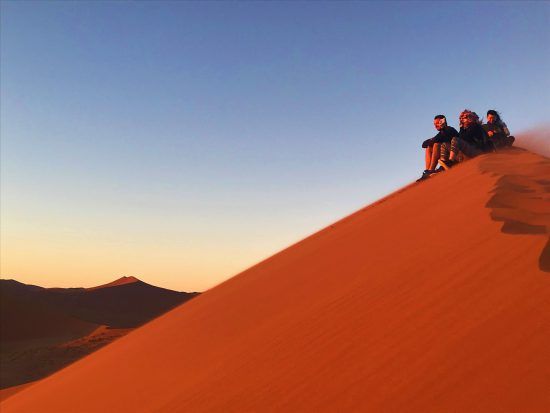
182, 142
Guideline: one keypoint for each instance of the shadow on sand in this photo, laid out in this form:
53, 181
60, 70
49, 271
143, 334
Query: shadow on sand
521, 197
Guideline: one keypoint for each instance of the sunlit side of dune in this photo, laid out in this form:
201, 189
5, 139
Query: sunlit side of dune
420, 302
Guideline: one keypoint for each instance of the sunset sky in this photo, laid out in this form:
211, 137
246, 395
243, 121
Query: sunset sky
183, 142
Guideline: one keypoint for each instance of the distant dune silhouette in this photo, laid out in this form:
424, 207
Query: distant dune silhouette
120, 281
43, 329
27, 314
123, 303
420, 302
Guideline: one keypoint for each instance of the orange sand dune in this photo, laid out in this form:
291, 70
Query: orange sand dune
417, 303
10, 391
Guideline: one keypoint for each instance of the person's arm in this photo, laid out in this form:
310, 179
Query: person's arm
489, 129
486, 143
505, 129
442, 136
454, 132
427, 142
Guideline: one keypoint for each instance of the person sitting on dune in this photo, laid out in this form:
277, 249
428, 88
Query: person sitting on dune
433, 145
471, 141
497, 131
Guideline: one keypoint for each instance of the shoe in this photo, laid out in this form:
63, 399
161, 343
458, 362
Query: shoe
425, 175
446, 164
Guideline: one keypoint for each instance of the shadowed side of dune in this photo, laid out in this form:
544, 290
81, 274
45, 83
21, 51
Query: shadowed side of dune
45, 329
26, 316
119, 305
521, 197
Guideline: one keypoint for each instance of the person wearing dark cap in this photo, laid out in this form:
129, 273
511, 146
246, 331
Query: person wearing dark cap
433, 145
497, 131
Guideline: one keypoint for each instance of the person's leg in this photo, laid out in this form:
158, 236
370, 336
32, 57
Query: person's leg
428, 157
449, 154
431, 158
469, 150
445, 151
453, 157
436, 150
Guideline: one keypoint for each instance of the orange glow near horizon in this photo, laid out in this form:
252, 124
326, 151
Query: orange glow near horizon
51, 258
60, 264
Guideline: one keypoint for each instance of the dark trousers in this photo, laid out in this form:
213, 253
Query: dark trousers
457, 145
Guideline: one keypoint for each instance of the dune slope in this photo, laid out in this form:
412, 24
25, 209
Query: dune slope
423, 301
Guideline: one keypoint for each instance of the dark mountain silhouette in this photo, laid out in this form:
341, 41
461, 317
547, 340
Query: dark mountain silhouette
120, 281
26, 314
44, 329
124, 303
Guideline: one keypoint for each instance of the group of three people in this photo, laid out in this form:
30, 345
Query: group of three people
474, 138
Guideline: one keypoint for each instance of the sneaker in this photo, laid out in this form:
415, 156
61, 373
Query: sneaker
446, 164
425, 175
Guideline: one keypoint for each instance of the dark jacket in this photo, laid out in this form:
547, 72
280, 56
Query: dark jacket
476, 136
444, 135
499, 129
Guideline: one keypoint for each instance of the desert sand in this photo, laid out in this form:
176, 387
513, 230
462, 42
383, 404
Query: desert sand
435, 298
10, 391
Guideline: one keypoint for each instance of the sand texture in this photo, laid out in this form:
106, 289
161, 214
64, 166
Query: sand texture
433, 299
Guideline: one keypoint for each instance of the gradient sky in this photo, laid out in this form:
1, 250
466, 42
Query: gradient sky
183, 142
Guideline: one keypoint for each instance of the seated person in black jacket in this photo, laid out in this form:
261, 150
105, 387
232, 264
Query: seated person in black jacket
471, 141
497, 131
433, 145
